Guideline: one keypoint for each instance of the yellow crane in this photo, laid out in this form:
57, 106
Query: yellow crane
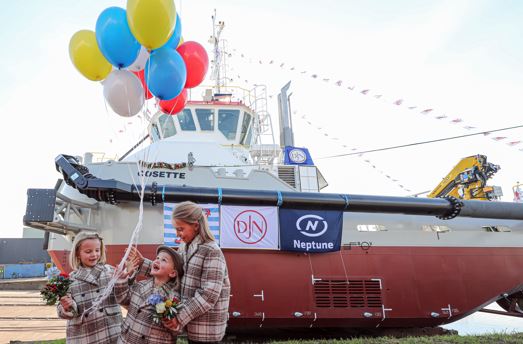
468, 180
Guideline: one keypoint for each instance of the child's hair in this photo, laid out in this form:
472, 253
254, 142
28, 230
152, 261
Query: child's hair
192, 213
74, 260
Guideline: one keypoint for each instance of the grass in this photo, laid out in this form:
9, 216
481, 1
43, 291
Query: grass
495, 338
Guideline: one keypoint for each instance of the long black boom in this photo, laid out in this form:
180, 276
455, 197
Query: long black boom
113, 191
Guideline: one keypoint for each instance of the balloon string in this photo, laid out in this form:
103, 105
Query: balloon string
143, 178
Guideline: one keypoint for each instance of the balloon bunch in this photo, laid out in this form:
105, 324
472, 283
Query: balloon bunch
144, 44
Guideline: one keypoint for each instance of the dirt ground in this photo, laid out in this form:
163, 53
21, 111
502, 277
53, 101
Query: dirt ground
25, 317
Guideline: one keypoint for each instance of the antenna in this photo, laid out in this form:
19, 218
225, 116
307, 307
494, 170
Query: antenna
219, 55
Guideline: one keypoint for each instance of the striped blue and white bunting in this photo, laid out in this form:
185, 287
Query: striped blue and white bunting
212, 211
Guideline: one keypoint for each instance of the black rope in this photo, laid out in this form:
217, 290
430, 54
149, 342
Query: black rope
419, 143
134, 147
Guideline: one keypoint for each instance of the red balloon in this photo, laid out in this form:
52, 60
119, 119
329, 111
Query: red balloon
141, 76
175, 105
196, 62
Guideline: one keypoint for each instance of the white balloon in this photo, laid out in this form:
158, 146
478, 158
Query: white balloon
140, 61
124, 93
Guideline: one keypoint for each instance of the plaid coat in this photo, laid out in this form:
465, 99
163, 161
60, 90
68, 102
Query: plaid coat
98, 326
205, 291
139, 327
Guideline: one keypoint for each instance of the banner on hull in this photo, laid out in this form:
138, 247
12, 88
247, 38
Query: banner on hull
249, 227
310, 231
269, 228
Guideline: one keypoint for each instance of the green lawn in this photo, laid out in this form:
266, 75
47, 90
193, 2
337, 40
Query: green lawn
497, 338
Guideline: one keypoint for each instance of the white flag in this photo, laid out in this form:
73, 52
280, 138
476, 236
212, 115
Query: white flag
249, 227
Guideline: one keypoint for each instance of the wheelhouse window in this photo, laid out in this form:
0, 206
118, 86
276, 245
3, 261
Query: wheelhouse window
206, 119
228, 122
371, 228
245, 126
249, 136
435, 228
186, 120
155, 133
497, 228
167, 126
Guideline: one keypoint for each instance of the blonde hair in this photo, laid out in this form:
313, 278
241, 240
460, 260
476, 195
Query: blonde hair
74, 260
192, 213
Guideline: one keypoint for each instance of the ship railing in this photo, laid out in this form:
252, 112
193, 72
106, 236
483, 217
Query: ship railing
265, 154
97, 157
255, 99
237, 93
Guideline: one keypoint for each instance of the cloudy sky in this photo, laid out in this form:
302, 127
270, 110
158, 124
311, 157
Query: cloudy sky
362, 74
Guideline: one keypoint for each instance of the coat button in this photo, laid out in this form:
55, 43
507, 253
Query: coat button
82, 295
98, 291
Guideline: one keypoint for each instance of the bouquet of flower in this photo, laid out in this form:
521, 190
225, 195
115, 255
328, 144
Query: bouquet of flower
166, 308
57, 286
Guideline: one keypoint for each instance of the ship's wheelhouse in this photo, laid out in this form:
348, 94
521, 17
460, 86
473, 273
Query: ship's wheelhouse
223, 123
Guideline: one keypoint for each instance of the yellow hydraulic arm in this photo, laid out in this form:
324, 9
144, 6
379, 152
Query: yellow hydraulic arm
468, 180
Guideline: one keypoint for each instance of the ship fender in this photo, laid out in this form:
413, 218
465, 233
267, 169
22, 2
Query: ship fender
512, 302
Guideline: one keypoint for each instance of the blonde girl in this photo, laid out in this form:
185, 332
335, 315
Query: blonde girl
90, 276
205, 283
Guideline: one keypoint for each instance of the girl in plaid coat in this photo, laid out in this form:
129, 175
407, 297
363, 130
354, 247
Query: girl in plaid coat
90, 277
139, 327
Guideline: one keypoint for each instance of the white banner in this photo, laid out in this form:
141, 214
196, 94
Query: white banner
212, 211
249, 227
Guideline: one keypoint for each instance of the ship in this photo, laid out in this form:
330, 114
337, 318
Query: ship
402, 261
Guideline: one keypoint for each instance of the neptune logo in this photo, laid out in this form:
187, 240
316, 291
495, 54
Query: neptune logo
311, 225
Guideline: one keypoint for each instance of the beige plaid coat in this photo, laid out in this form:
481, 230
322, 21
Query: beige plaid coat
97, 326
205, 291
139, 327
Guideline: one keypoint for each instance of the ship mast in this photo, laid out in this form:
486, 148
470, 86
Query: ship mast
218, 63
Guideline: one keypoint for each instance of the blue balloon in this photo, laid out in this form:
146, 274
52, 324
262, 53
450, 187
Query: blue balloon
114, 38
165, 73
177, 34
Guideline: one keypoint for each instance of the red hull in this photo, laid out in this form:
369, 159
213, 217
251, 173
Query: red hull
411, 284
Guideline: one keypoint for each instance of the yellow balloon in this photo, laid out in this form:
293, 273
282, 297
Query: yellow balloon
87, 57
151, 21
181, 41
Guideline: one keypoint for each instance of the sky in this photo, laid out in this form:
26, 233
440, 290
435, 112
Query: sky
460, 58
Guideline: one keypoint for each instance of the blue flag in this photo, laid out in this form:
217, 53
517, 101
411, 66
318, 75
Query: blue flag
310, 230
297, 156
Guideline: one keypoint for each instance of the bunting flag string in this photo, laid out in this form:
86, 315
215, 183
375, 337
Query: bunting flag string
364, 158
400, 102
